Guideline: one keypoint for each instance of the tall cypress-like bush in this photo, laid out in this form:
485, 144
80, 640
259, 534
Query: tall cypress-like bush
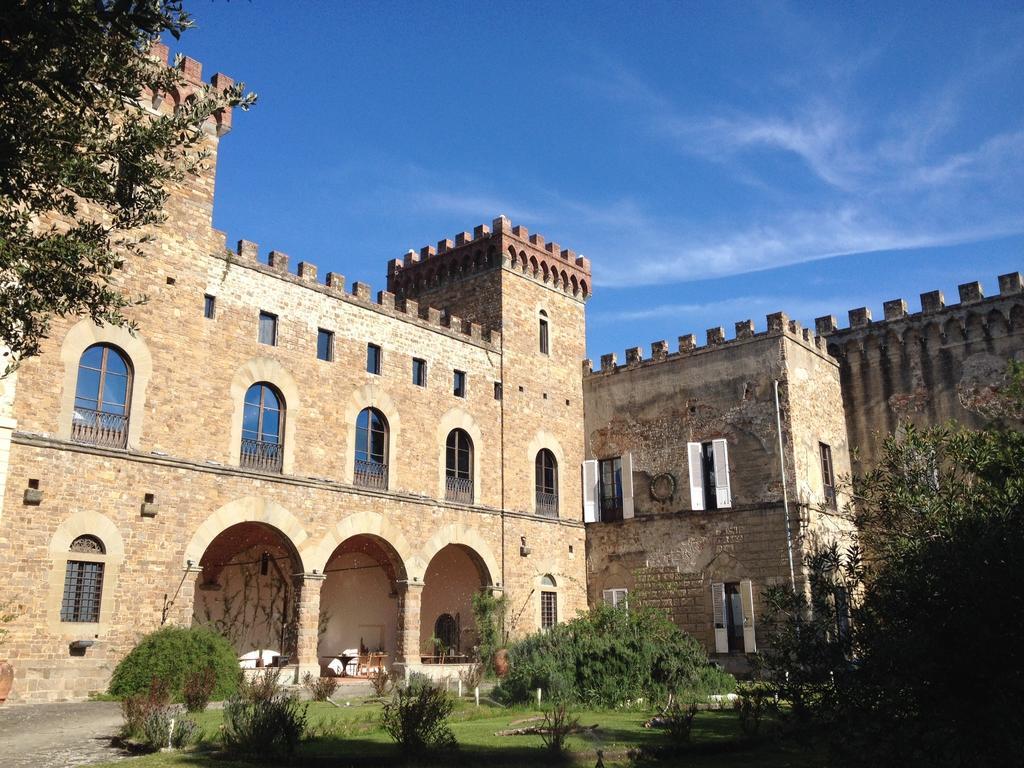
173, 655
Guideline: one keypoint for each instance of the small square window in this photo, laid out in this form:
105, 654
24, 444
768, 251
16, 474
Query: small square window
209, 306
373, 359
497, 390
268, 329
459, 389
419, 372
324, 345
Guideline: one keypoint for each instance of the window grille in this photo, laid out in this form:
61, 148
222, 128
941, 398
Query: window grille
548, 609
83, 588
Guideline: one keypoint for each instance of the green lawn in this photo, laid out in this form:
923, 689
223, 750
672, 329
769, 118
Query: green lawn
350, 735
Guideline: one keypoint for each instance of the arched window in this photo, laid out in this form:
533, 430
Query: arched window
459, 467
548, 602
83, 581
545, 344
102, 397
446, 632
263, 428
371, 467
547, 483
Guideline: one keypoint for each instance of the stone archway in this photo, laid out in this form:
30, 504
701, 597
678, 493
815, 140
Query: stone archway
447, 631
360, 603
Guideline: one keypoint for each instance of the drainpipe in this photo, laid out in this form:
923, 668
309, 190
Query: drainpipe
785, 494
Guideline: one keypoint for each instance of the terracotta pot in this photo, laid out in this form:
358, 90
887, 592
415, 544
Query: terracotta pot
6, 679
501, 662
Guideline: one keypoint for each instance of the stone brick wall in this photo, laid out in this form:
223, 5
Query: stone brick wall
183, 454
944, 362
668, 555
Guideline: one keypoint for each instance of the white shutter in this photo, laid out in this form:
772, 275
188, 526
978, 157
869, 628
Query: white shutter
718, 609
747, 599
723, 495
627, 486
590, 481
696, 476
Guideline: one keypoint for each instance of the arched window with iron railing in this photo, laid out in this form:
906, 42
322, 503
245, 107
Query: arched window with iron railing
103, 395
263, 428
546, 468
371, 460
459, 467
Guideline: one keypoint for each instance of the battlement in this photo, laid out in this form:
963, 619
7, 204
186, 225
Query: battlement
974, 312
778, 324
487, 248
192, 71
306, 274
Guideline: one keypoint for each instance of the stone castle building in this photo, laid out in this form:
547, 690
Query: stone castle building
310, 468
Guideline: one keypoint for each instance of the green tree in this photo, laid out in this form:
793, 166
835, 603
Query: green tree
929, 669
82, 168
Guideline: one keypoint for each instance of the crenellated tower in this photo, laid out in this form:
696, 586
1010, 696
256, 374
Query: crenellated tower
534, 292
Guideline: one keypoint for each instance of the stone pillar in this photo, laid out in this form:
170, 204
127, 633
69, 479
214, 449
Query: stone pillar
407, 654
307, 621
181, 606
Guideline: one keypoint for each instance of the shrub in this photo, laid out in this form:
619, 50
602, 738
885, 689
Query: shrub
169, 727
198, 689
263, 720
489, 619
417, 715
678, 718
320, 688
174, 654
607, 657
472, 676
558, 724
138, 708
754, 701
381, 681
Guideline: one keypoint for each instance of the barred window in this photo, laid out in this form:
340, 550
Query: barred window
548, 603
83, 583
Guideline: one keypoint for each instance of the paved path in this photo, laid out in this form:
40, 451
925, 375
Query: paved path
59, 735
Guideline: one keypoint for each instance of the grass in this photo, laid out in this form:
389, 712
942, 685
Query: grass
351, 736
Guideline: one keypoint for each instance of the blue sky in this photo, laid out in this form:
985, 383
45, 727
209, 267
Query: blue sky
715, 161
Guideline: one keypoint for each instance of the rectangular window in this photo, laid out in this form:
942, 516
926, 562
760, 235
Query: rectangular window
373, 359
544, 344
459, 384
616, 598
611, 489
827, 477
209, 306
419, 372
548, 609
83, 586
707, 460
709, 475
497, 390
268, 329
324, 345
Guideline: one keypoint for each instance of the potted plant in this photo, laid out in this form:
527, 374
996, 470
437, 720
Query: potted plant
6, 668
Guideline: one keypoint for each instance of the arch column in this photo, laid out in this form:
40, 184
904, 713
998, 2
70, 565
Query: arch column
410, 600
180, 609
307, 622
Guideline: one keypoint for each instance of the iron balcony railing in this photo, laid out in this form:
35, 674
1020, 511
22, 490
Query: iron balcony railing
459, 489
611, 509
370, 474
262, 455
547, 504
99, 428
